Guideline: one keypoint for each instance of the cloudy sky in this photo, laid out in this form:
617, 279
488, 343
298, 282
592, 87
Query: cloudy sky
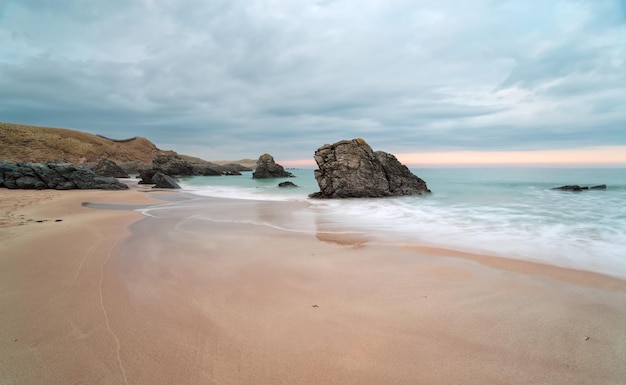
228, 79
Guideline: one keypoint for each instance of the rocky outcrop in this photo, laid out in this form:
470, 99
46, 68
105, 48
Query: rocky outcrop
53, 175
172, 165
267, 168
161, 180
168, 164
351, 169
208, 171
177, 165
108, 167
158, 179
576, 187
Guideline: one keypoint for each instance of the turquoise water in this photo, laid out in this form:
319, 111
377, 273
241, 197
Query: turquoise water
500, 211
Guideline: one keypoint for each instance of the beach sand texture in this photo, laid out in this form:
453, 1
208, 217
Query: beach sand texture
96, 296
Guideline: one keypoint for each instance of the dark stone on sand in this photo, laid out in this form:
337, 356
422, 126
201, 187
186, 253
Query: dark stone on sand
147, 175
351, 169
161, 180
266, 167
108, 167
287, 184
53, 175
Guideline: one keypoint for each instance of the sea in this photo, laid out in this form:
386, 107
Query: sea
511, 212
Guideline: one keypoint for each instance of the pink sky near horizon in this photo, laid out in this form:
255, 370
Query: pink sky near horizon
607, 155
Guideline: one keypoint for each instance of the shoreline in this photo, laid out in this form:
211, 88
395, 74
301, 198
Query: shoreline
182, 299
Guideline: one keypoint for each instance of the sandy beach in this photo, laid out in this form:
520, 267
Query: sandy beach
102, 296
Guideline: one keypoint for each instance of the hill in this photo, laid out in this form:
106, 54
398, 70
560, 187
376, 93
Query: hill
40, 144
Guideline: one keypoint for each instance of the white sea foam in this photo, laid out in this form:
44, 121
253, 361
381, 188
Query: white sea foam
579, 237
511, 213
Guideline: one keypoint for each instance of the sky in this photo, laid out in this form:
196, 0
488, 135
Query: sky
447, 81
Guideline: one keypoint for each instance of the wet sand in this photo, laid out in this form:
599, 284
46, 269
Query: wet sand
113, 297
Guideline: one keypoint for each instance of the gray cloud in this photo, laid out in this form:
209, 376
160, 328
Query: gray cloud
229, 79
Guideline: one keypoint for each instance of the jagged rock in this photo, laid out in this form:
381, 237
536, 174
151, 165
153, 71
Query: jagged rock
231, 173
351, 169
172, 165
108, 167
211, 171
146, 175
287, 184
161, 180
53, 175
167, 164
267, 168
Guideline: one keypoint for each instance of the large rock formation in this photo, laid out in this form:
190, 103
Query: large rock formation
172, 165
267, 168
53, 175
350, 169
108, 167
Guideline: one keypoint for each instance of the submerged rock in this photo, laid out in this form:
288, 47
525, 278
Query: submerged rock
267, 168
576, 187
287, 184
351, 169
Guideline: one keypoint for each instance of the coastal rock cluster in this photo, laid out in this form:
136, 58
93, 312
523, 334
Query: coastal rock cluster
174, 166
57, 175
351, 169
266, 167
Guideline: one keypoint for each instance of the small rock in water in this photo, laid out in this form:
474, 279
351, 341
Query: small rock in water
287, 184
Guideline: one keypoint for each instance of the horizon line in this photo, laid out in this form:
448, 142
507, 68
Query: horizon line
607, 156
